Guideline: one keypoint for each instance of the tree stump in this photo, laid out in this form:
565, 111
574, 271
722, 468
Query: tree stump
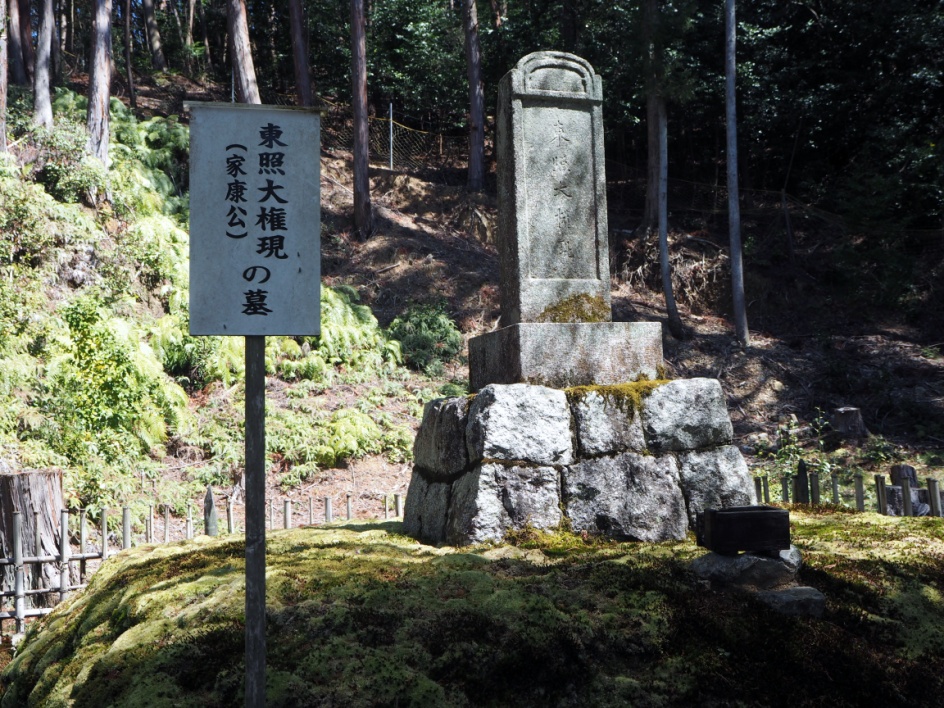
37, 495
847, 421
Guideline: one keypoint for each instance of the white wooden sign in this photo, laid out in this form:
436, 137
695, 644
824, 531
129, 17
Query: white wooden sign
255, 220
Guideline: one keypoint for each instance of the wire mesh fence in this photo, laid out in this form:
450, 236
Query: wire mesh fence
391, 143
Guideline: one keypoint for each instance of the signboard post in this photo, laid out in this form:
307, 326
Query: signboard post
255, 226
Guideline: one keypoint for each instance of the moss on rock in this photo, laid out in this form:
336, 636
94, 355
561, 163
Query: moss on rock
627, 397
581, 307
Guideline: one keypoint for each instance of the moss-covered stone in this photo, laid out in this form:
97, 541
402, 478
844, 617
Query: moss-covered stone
581, 307
627, 397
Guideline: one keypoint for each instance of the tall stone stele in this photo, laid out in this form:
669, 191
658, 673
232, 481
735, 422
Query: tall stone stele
555, 275
539, 445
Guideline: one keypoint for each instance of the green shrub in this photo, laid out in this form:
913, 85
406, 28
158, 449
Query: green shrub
64, 167
428, 336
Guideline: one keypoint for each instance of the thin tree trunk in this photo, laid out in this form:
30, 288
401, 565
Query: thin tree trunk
734, 210
99, 81
244, 73
675, 321
3, 76
42, 104
26, 33
653, 53
206, 36
300, 52
180, 33
154, 36
68, 28
132, 96
188, 40
473, 56
56, 49
363, 217
499, 10
15, 51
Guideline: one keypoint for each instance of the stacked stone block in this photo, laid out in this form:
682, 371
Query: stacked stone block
521, 455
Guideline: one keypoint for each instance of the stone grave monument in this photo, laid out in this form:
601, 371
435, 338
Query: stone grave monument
552, 239
571, 423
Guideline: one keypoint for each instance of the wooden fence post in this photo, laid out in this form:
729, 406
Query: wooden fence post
934, 494
386, 507
881, 501
167, 523
328, 515
287, 513
104, 534
398, 505
907, 507
758, 491
230, 525
125, 528
766, 482
350, 509
785, 482
834, 478
311, 510
19, 586
859, 492
64, 555
189, 521
83, 541
814, 487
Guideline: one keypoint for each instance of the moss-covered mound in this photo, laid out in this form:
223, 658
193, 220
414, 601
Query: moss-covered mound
361, 616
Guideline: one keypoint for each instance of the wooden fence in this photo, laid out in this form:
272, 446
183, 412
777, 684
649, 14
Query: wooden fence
809, 489
65, 558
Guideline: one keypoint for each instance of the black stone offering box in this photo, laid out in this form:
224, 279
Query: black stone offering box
743, 528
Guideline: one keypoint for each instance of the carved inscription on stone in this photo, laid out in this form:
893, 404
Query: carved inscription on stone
561, 214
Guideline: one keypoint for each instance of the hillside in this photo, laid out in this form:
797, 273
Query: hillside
361, 616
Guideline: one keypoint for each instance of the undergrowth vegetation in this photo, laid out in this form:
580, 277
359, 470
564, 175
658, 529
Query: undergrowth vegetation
359, 615
97, 365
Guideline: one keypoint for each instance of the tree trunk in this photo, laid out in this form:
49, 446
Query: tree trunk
569, 19
42, 103
26, 33
99, 81
3, 76
499, 10
206, 36
15, 51
363, 217
37, 495
244, 73
300, 52
847, 421
734, 208
675, 321
653, 69
132, 96
154, 36
473, 56
188, 40
55, 48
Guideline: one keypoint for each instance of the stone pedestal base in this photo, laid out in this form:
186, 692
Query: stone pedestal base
564, 355
628, 467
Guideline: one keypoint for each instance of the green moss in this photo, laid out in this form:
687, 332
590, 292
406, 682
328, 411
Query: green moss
577, 308
359, 615
627, 397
